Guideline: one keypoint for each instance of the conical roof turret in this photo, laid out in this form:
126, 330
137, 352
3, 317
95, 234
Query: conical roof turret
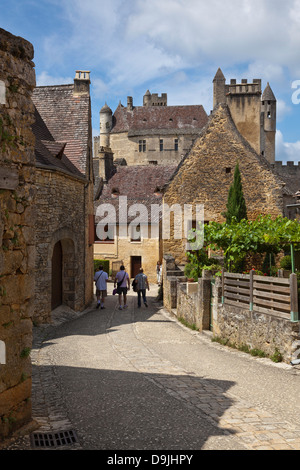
268, 94
219, 75
105, 109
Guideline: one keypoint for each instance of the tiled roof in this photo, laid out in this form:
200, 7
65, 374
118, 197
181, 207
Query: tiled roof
67, 118
48, 151
182, 119
141, 185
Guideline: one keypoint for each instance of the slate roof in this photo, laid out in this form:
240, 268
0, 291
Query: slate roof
165, 119
268, 94
50, 152
141, 185
67, 118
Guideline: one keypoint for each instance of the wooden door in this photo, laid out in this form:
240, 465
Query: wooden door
136, 263
56, 288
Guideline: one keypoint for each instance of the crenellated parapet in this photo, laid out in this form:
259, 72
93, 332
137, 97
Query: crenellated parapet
289, 172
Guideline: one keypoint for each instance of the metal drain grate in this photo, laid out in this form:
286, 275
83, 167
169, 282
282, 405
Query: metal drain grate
55, 439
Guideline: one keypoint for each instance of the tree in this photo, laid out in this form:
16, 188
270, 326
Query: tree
236, 205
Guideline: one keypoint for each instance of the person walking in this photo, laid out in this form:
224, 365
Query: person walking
142, 283
101, 278
158, 272
123, 285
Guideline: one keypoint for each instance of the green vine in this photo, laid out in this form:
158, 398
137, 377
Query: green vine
25, 353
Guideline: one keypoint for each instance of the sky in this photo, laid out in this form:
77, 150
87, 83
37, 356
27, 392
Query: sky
167, 46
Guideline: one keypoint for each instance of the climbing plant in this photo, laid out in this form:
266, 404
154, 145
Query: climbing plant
262, 235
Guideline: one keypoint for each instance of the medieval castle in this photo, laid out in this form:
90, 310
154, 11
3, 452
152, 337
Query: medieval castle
158, 134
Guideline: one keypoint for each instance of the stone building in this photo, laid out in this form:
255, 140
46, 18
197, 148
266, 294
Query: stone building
64, 182
253, 112
17, 218
206, 173
153, 133
132, 234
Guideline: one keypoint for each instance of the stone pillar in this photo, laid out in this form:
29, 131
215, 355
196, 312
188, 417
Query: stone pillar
17, 218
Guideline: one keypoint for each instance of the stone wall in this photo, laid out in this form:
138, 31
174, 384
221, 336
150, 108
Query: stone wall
17, 251
124, 146
171, 276
202, 307
266, 332
290, 172
187, 300
60, 218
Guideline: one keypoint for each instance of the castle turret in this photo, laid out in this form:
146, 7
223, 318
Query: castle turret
219, 88
147, 99
105, 125
268, 124
254, 113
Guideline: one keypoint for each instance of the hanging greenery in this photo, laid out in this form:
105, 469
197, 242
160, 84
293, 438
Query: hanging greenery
262, 235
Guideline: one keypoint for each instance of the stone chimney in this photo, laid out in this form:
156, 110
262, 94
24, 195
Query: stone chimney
82, 82
129, 103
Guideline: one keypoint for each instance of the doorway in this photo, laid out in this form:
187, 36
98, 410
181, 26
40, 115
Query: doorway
56, 280
136, 264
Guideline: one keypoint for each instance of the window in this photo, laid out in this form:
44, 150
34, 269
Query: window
176, 145
228, 170
104, 234
135, 233
142, 146
161, 145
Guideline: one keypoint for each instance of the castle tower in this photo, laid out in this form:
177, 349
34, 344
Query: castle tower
152, 99
147, 99
219, 88
254, 114
105, 125
268, 124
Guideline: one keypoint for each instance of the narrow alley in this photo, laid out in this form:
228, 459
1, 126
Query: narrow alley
137, 379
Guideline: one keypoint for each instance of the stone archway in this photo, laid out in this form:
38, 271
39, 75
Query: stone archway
62, 258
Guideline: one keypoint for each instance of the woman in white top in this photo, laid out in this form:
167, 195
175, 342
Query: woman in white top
101, 278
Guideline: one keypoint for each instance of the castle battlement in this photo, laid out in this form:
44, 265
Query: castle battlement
152, 99
244, 87
290, 172
289, 164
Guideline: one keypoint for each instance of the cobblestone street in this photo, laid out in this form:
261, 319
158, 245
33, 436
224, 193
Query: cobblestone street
137, 379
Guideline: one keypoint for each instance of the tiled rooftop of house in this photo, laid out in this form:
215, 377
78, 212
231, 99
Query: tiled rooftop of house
67, 117
49, 152
140, 184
